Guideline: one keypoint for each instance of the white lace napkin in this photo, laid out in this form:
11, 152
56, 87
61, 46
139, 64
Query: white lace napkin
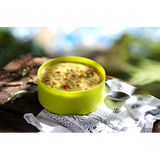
136, 115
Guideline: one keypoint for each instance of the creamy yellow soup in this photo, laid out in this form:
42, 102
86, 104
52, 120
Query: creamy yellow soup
70, 76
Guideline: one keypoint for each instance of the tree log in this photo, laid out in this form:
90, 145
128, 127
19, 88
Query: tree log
11, 114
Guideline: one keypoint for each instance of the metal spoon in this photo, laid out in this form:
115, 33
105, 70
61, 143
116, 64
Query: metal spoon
116, 95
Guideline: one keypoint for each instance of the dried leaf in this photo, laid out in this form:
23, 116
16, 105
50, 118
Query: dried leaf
16, 95
33, 80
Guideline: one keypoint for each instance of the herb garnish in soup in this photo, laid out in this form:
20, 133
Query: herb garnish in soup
70, 76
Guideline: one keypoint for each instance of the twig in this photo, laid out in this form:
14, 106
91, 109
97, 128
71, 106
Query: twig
11, 83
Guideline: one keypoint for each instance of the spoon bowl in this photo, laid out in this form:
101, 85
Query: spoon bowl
116, 95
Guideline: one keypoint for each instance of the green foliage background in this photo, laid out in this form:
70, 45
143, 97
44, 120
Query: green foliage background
131, 58
140, 58
11, 47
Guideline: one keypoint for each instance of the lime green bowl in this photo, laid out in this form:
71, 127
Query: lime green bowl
71, 103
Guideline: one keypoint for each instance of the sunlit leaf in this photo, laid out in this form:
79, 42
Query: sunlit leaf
16, 95
25, 71
148, 71
152, 88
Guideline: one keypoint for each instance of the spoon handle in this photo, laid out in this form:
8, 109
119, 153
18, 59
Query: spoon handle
108, 86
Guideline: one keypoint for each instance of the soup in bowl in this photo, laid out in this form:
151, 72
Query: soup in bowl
71, 85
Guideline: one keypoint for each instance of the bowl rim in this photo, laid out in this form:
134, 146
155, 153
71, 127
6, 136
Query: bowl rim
57, 59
